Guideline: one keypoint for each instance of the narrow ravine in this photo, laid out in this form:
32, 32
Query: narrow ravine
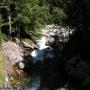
36, 69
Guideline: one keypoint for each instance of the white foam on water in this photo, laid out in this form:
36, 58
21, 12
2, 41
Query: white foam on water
34, 53
42, 43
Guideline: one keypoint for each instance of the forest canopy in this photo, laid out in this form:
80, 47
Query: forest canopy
29, 16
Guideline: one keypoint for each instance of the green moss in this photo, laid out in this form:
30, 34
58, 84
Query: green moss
2, 37
2, 71
28, 41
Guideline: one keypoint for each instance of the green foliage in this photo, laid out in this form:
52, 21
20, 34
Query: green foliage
1, 35
58, 15
2, 71
35, 16
36, 13
1, 21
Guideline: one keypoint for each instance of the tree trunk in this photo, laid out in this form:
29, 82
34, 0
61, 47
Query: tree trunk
9, 18
10, 27
18, 32
10, 24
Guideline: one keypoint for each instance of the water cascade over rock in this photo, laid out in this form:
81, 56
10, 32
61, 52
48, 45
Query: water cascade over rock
52, 35
43, 53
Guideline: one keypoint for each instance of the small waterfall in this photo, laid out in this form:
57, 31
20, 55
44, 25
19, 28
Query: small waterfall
43, 52
42, 43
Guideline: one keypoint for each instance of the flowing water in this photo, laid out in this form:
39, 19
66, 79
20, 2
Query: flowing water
43, 53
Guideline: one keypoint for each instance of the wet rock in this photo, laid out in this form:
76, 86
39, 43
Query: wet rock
52, 30
13, 52
50, 40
